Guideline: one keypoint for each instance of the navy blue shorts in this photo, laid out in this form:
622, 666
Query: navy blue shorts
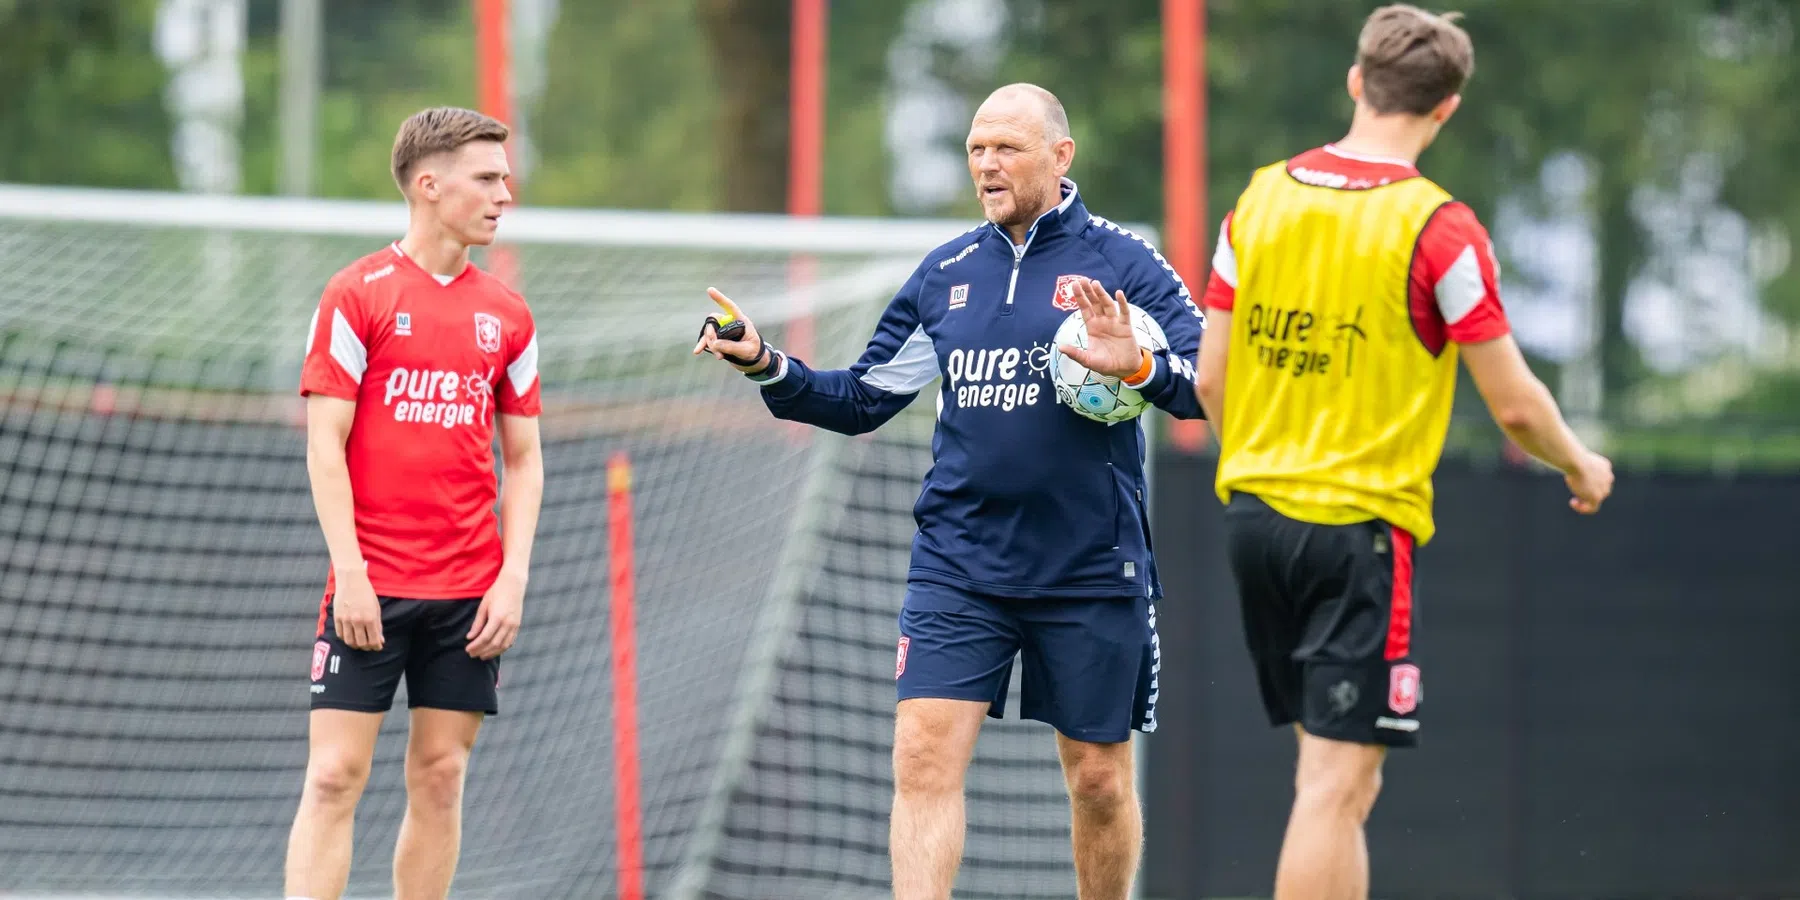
1090, 666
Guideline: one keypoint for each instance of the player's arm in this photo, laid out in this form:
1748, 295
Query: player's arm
1459, 270
1215, 344
1150, 284
1524, 408
336, 357
1209, 386
898, 362
518, 400
521, 492
328, 421
1520, 403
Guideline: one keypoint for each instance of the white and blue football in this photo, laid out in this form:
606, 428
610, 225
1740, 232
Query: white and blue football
1100, 397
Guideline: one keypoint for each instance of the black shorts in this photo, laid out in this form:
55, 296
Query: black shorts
425, 640
1328, 616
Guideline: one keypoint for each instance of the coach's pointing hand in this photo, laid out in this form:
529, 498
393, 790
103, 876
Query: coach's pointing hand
1112, 349
356, 613
746, 351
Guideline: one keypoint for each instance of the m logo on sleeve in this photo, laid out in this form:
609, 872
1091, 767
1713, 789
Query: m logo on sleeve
487, 333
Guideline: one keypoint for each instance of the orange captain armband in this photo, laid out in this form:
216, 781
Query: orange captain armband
1144, 370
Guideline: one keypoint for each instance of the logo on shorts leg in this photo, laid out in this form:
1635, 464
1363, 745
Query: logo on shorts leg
900, 657
1404, 688
1343, 697
321, 651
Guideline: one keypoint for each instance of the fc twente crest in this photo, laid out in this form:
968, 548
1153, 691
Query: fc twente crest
1064, 298
487, 333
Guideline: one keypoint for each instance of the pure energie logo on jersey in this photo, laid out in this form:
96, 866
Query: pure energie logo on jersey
999, 376
438, 397
1297, 341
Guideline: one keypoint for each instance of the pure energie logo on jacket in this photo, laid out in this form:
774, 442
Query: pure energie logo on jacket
1007, 377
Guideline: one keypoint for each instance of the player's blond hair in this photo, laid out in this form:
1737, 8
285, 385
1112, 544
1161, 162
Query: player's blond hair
1412, 60
441, 129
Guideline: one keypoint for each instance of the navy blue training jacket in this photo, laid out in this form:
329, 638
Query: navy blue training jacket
1024, 497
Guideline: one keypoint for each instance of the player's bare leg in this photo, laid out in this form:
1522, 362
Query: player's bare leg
437, 757
340, 747
933, 742
1324, 855
1107, 825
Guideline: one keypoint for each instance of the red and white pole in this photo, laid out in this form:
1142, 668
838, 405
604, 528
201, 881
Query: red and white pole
627, 806
1184, 162
493, 92
806, 152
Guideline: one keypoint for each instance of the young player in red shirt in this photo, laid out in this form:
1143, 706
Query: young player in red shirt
413, 358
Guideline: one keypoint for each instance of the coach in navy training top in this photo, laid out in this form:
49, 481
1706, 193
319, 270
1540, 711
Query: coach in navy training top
1032, 533
1025, 498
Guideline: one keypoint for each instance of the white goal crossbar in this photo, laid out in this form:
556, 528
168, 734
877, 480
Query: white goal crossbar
524, 224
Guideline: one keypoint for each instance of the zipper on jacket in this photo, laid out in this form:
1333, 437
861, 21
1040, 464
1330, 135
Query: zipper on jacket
1012, 283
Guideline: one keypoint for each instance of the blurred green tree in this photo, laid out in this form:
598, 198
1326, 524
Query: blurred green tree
84, 97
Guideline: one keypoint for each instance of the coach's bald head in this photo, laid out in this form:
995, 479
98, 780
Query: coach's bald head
1019, 150
1023, 101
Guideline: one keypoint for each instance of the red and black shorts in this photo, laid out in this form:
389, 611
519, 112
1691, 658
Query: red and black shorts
427, 641
1328, 616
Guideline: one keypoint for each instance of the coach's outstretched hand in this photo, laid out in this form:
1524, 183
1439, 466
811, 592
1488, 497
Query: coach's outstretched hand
1591, 483
497, 619
356, 613
746, 352
1112, 349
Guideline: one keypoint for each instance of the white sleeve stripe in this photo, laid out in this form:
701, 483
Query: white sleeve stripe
347, 348
914, 365
1225, 258
1461, 290
1181, 288
312, 328
523, 372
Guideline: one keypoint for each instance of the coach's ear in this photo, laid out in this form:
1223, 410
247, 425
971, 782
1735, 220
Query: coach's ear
1064, 153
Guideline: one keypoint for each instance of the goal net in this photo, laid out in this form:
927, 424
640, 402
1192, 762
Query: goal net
160, 565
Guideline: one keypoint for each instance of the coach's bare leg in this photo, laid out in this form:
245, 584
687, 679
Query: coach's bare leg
933, 742
1107, 826
340, 746
1325, 856
437, 756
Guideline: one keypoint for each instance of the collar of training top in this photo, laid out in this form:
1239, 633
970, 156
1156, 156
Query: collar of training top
1069, 216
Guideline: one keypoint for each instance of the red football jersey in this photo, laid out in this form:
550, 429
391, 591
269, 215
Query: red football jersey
429, 365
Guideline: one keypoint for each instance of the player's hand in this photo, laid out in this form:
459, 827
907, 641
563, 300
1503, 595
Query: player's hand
1591, 483
497, 619
748, 346
1112, 348
356, 613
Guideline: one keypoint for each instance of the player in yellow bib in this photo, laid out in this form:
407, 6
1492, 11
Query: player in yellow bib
1345, 287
